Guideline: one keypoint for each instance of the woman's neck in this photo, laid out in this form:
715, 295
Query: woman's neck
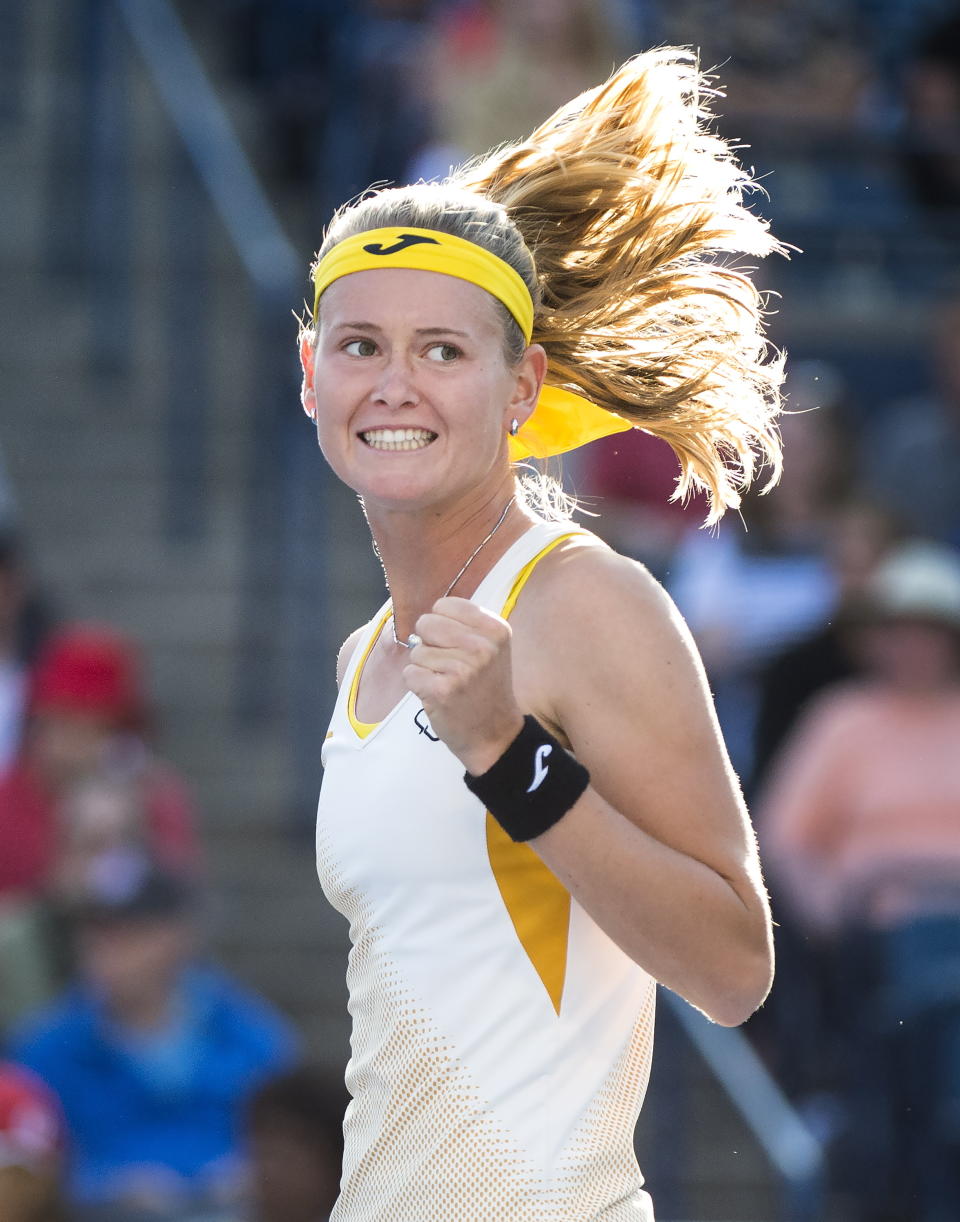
423, 551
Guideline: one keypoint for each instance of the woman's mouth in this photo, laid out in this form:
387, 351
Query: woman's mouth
398, 439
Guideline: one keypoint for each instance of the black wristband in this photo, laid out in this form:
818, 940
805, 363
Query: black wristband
532, 785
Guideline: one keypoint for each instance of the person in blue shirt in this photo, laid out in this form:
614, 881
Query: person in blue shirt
152, 1054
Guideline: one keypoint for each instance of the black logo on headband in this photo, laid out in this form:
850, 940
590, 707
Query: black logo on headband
406, 239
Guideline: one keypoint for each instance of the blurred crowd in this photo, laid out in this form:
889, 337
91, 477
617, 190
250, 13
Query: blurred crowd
140, 1080
351, 92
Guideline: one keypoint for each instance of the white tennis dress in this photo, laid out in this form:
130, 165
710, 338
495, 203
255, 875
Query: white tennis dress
501, 1041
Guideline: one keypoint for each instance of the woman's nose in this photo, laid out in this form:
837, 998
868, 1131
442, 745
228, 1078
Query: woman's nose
396, 386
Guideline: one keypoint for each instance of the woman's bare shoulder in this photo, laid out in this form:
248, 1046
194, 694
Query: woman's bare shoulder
584, 582
592, 622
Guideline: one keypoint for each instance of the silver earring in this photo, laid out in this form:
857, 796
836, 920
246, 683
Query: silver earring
514, 427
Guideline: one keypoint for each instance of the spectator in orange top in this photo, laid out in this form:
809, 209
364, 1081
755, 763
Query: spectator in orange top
87, 711
863, 812
861, 828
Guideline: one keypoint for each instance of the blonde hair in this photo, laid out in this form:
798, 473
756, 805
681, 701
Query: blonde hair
625, 215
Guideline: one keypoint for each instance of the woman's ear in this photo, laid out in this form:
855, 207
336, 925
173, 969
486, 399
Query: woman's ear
529, 374
308, 396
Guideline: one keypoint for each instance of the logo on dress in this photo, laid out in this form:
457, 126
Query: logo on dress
405, 240
424, 726
540, 769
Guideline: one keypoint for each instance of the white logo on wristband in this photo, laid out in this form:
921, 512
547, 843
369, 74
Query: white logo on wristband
539, 769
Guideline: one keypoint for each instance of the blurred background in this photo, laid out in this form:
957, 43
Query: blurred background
177, 570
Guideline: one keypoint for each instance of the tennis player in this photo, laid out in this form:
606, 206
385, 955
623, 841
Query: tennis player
527, 815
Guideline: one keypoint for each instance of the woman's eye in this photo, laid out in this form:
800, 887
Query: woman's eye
360, 347
443, 352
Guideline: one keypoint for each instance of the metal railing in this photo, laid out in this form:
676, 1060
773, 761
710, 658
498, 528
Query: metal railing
793, 1153
209, 141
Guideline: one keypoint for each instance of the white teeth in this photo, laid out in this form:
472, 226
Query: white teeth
398, 439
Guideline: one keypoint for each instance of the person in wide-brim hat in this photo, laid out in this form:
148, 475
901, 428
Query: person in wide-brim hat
920, 582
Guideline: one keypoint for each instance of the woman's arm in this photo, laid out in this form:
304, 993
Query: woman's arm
659, 848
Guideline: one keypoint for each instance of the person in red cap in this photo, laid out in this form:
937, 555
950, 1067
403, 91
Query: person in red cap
84, 744
31, 1148
87, 713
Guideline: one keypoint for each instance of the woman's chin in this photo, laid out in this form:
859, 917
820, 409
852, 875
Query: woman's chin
398, 491
400, 476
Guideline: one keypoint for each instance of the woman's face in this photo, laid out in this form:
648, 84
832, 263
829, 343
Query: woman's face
410, 387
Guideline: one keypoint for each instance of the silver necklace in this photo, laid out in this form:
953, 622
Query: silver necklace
413, 640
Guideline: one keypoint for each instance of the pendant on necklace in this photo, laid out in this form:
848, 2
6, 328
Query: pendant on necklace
413, 640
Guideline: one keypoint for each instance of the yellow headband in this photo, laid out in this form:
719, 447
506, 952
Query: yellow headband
563, 420
427, 250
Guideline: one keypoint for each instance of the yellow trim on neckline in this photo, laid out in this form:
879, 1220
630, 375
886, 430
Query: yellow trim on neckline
522, 577
363, 729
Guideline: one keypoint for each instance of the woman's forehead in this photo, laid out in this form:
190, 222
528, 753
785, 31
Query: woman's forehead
409, 298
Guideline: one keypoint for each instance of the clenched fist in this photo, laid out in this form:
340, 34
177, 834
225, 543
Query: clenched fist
462, 673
